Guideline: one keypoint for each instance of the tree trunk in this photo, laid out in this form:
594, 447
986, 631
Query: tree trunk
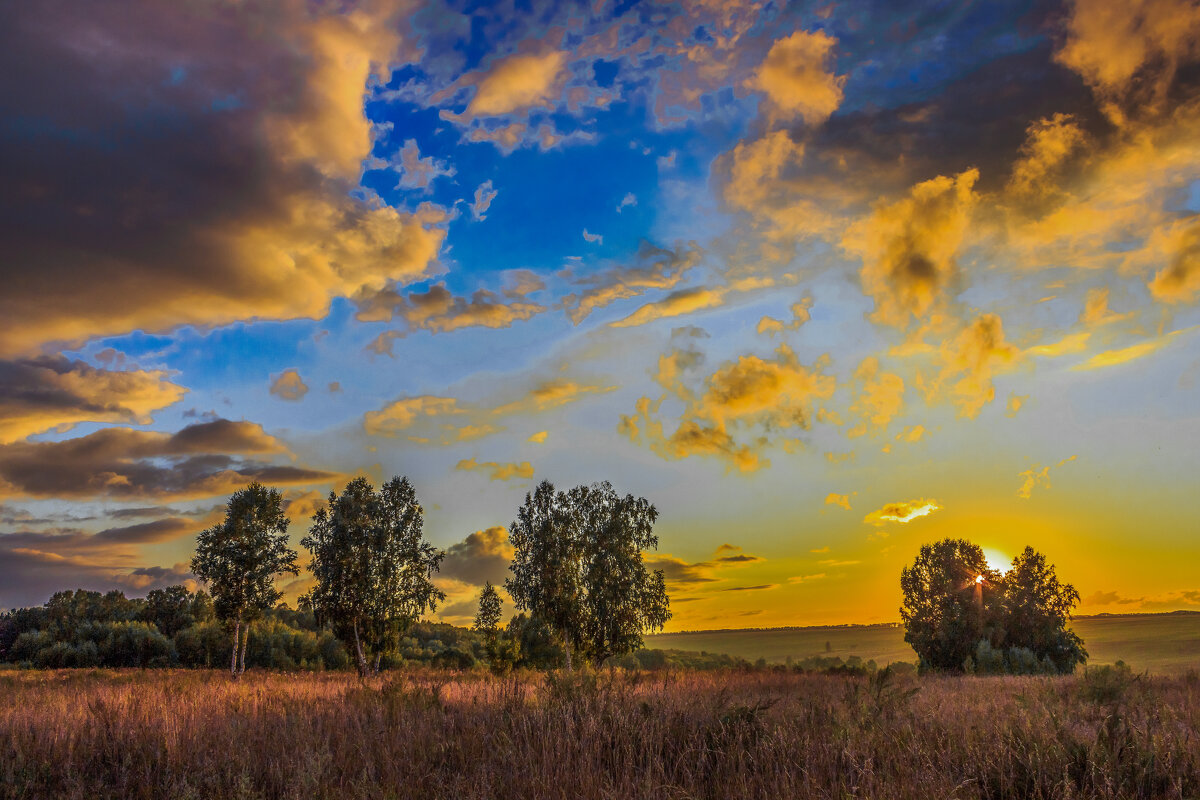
567, 647
378, 658
242, 658
360, 660
237, 635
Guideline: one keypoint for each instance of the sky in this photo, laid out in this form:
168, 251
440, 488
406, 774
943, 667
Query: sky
822, 281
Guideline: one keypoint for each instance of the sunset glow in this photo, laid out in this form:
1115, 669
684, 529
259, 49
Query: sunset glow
822, 281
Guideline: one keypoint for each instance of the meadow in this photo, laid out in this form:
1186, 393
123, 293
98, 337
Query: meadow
1161, 644
718, 734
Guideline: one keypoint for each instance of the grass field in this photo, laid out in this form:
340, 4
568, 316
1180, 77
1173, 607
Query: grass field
1163, 644
735, 734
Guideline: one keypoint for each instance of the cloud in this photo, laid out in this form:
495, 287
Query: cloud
806, 578
288, 385
901, 512
126, 225
1179, 281
438, 310
910, 247
1049, 145
833, 499
801, 313
1099, 598
484, 195
160, 530
1096, 311
655, 268
202, 460
417, 172
483, 556
796, 78
628, 201
497, 472
539, 437
684, 301
882, 394
1038, 476
550, 394
517, 82
1015, 402
1112, 358
52, 392
760, 587
592, 238
747, 394
969, 362
1130, 52
401, 414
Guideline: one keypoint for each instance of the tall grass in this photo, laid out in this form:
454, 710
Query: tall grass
429, 734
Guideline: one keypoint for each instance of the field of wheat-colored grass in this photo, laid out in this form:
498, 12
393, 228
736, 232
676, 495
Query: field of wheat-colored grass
429, 734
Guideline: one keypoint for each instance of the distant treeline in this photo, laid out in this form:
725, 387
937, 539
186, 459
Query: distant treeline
175, 627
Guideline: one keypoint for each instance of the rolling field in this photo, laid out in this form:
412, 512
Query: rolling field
1163, 644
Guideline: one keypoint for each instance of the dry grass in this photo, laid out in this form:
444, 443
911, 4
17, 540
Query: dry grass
76, 734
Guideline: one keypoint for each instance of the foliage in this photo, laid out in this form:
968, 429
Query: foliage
502, 649
374, 571
959, 615
174, 608
945, 610
1037, 609
578, 567
240, 557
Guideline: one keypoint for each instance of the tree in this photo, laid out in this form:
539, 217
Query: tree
546, 578
578, 567
373, 569
950, 603
1037, 609
501, 648
239, 559
174, 608
622, 596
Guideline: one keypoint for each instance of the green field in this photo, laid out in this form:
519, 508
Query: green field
1163, 644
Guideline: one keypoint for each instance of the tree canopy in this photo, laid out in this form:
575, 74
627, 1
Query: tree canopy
578, 567
240, 557
959, 614
374, 571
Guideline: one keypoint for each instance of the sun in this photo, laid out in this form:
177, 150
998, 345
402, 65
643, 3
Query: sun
997, 560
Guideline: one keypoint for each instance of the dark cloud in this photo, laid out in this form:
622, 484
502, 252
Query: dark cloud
680, 572
483, 556
53, 392
160, 530
167, 164
757, 588
201, 460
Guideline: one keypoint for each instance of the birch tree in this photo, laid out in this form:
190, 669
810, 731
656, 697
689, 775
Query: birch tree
374, 571
239, 559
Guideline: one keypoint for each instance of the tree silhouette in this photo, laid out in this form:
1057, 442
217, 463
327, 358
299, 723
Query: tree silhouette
374, 570
239, 558
1037, 609
947, 609
578, 567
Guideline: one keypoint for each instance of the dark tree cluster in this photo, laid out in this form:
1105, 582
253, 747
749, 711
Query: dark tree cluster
961, 615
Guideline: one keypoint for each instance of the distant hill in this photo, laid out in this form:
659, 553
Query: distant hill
1165, 643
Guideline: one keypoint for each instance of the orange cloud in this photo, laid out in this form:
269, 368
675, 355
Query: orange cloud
909, 248
1048, 145
1096, 311
657, 269
882, 395
437, 310
842, 500
973, 357
902, 512
497, 472
684, 301
539, 437
748, 393
1111, 358
288, 385
403, 413
1179, 281
518, 82
796, 78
